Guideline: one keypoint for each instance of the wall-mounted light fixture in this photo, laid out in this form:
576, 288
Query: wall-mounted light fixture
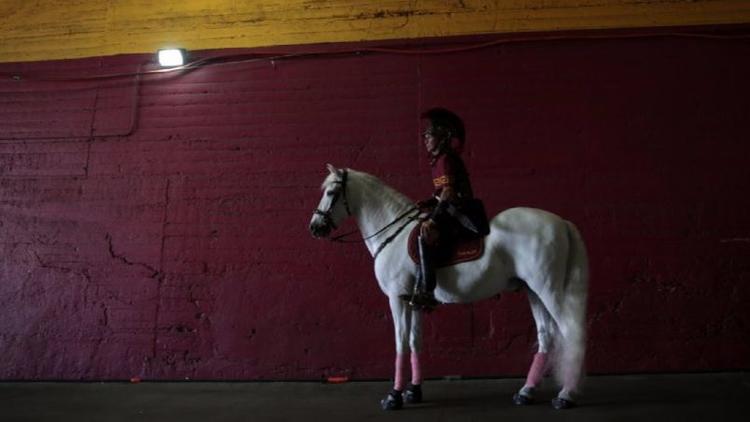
171, 57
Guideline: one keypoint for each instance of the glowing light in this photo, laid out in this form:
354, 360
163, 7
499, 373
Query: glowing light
171, 57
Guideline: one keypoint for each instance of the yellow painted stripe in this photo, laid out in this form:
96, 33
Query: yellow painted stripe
58, 29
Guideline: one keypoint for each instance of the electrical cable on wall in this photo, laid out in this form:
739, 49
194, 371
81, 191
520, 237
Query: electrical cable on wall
273, 57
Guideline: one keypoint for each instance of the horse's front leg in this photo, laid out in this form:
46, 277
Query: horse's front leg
413, 392
402, 316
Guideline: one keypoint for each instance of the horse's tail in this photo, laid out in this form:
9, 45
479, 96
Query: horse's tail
571, 342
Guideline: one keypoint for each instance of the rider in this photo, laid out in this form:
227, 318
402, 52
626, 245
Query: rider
447, 219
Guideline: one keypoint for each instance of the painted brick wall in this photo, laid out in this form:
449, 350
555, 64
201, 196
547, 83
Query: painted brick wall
178, 247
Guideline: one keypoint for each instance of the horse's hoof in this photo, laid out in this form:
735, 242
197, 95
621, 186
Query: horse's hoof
522, 400
560, 403
393, 401
413, 394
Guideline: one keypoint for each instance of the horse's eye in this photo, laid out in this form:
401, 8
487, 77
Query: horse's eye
330, 193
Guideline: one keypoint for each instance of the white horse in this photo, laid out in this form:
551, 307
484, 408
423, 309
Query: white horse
526, 248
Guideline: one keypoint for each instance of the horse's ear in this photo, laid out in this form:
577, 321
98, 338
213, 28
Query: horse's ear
332, 169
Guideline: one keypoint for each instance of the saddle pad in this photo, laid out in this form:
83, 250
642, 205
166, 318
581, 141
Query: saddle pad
462, 251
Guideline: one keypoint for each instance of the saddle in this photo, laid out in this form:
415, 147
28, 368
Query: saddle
461, 250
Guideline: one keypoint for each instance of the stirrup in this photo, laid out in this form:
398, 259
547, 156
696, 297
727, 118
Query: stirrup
421, 301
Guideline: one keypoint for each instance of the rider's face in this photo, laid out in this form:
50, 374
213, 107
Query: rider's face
429, 140
433, 135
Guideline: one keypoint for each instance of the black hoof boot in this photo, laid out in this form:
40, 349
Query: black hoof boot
522, 400
560, 403
413, 394
393, 401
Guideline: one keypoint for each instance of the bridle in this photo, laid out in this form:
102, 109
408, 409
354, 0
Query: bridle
341, 193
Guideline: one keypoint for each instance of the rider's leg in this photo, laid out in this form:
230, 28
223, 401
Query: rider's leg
424, 296
428, 270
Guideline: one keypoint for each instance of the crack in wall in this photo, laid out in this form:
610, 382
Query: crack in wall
156, 274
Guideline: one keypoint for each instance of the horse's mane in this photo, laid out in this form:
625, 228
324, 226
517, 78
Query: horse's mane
373, 183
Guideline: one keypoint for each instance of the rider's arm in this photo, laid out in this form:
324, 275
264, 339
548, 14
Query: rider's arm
448, 193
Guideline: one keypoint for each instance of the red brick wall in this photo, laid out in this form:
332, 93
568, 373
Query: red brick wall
179, 247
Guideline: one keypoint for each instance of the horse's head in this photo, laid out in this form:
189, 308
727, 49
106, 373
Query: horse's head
333, 206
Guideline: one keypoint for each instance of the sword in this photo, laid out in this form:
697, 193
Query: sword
461, 218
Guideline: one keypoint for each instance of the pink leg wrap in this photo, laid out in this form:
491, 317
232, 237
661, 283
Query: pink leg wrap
536, 372
416, 369
398, 382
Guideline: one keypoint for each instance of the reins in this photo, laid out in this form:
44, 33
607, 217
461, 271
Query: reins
342, 237
398, 231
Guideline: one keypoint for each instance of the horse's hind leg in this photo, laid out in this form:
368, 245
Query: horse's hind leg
567, 306
569, 344
544, 327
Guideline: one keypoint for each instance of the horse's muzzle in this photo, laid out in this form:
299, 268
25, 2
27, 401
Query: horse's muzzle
319, 230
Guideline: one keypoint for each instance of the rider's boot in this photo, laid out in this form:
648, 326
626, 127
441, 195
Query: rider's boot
423, 298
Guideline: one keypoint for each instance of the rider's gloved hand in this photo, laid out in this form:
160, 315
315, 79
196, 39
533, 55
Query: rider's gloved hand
427, 204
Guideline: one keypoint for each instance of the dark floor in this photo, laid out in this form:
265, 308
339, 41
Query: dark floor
633, 398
